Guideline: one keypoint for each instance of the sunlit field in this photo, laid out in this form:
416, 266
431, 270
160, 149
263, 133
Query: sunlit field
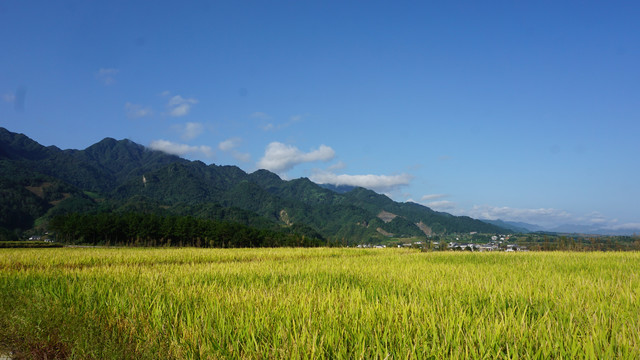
317, 303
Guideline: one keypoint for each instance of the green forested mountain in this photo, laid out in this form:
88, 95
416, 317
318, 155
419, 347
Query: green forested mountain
38, 183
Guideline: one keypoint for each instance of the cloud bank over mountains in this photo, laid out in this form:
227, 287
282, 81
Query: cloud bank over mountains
381, 183
180, 149
549, 219
280, 158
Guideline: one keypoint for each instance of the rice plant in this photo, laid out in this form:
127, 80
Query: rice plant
317, 304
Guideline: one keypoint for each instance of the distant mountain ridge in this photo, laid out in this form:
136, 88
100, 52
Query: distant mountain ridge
120, 175
522, 227
515, 226
592, 230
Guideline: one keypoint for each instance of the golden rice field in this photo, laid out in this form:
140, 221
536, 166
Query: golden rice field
123, 303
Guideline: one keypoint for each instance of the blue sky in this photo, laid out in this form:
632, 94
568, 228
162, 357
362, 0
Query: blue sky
525, 111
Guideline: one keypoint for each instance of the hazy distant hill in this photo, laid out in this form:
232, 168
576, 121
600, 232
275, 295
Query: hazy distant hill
520, 227
122, 176
592, 229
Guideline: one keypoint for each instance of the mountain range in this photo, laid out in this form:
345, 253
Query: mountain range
581, 229
37, 183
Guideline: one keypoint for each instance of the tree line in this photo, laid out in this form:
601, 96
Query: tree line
138, 229
580, 243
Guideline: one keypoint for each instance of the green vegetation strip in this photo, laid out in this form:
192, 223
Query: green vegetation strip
28, 244
317, 303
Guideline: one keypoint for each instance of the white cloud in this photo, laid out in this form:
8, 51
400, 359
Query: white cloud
596, 218
179, 106
442, 205
295, 118
292, 120
337, 166
541, 216
546, 217
433, 197
191, 130
269, 126
374, 182
240, 156
136, 111
279, 157
229, 144
260, 115
626, 226
180, 149
107, 75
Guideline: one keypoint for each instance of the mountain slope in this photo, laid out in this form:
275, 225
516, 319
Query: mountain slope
120, 175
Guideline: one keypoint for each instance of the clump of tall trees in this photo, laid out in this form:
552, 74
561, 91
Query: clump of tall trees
137, 229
